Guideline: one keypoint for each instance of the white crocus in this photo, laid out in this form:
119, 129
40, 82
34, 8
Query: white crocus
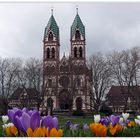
10, 124
138, 117
97, 118
137, 121
121, 120
5, 119
125, 116
4, 126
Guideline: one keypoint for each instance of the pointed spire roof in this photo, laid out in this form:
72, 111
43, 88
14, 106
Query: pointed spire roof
77, 23
52, 25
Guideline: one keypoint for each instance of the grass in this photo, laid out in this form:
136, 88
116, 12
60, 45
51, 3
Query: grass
80, 120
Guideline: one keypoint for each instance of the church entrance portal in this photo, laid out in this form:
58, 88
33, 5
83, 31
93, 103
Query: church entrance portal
65, 100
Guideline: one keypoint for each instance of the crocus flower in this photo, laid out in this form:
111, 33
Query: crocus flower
114, 119
67, 124
5, 119
138, 117
7, 125
105, 121
85, 127
11, 131
115, 129
26, 121
131, 124
44, 132
56, 133
125, 116
98, 129
97, 118
74, 127
121, 120
38, 132
50, 122
13, 113
137, 121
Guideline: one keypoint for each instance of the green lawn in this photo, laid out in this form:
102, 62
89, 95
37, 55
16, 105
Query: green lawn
80, 120
62, 120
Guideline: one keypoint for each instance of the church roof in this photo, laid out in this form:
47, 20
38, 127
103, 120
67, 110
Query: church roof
77, 23
52, 25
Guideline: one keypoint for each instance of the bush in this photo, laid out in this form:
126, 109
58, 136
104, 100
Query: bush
105, 110
78, 113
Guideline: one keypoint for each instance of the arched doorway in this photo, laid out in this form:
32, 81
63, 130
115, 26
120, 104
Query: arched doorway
65, 100
79, 103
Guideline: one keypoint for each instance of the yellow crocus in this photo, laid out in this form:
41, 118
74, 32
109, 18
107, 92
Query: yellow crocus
56, 133
7, 130
115, 129
131, 124
44, 132
11, 131
98, 129
30, 132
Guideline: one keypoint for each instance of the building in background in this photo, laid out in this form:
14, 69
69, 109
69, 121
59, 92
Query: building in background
123, 97
23, 97
67, 80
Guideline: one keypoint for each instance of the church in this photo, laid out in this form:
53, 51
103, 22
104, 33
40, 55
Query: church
67, 80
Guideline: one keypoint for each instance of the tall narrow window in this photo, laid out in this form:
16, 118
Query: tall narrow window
77, 35
80, 52
75, 52
50, 37
78, 82
53, 53
48, 52
49, 82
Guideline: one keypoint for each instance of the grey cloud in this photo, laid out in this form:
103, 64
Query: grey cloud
108, 26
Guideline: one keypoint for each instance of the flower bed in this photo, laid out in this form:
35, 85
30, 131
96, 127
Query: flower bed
29, 123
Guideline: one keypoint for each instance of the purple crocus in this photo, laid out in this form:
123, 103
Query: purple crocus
85, 127
13, 113
114, 119
105, 121
49, 122
74, 127
67, 124
24, 120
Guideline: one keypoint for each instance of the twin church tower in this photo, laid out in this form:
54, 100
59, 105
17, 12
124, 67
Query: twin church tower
67, 80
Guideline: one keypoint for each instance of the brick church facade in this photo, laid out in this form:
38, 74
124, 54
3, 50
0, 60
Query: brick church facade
67, 80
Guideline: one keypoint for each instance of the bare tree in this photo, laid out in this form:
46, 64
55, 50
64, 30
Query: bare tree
33, 73
125, 68
9, 68
101, 78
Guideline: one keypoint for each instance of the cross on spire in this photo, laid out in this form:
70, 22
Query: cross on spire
77, 9
52, 10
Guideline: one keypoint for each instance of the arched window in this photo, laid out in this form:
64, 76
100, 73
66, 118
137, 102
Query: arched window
78, 82
50, 37
77, 34
49, 102
48, 52
80, 52
53, 53
49, 82
79, 103
75, 52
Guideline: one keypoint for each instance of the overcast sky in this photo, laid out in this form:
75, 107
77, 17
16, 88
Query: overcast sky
108, 26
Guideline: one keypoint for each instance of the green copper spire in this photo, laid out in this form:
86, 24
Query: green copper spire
52, 25
77, 23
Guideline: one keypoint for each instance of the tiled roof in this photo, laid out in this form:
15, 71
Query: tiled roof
121, 90
19, 91
77, 23
52, 25
118, 94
